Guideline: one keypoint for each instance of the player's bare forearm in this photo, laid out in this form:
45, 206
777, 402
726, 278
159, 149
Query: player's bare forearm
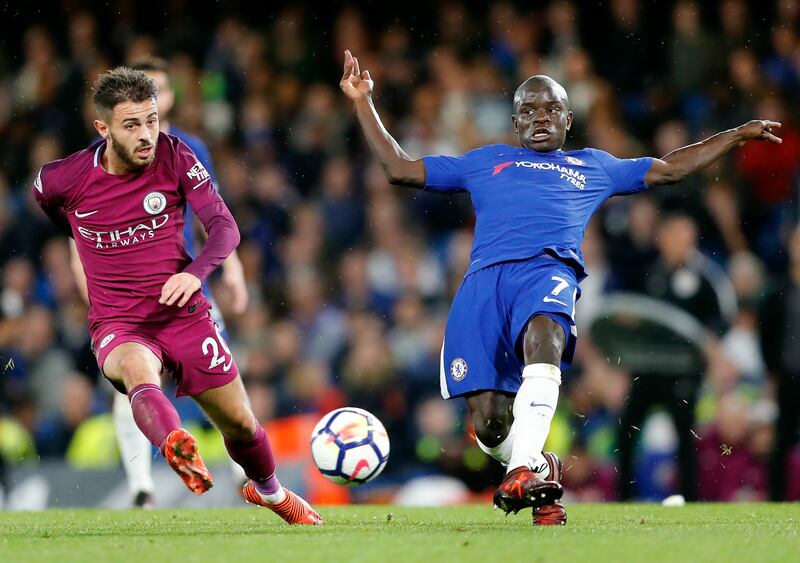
684, 161
398, 167
233, 279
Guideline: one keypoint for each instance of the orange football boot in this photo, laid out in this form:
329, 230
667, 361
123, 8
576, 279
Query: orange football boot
293, 509
180, 451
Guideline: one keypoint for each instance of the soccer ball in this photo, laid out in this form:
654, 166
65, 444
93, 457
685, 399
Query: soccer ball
350, 446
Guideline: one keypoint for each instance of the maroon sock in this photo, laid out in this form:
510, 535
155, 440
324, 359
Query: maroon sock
154, 414
254, 454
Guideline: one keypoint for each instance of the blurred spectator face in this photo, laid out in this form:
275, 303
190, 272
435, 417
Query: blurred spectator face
76, 404
642, 222
166, 95
337, 178
686, 18
747, 274
140, 47
82, 39
625, 12
308, 382
353, 275
257, 120
743, 68
349, 32
562, 17
677, 239
409, 311
37, 332
784, 42
733, 420
44, 149
733, 16
18, 275
304, 245
258, 365
55, 259
774, 107
262, 401
305, 294
270, 184
788, 10
39, 50
18, 278
671, 135
252, 259
577, 66
368, 364
436, 418
285, 342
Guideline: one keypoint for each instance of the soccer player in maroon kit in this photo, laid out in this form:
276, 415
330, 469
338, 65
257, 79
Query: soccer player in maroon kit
122, 200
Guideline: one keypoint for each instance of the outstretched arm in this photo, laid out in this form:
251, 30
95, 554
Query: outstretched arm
398, 167
687, 160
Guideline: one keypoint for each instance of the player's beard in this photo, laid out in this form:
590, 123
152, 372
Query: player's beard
128, 156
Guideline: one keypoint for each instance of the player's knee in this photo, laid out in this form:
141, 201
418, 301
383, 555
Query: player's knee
492, 417
544, 341
492, 430
135, 368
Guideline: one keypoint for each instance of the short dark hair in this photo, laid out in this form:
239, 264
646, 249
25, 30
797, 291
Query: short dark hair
150, 64
121, 84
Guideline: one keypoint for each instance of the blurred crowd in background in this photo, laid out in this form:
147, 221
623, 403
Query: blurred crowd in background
350, 279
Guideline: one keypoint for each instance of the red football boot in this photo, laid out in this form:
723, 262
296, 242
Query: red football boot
553, 514
180, 451
523, 488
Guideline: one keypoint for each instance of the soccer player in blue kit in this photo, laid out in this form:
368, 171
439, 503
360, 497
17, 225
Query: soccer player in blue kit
511, 327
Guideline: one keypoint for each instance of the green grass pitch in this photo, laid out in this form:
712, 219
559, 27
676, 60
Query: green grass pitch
383, 534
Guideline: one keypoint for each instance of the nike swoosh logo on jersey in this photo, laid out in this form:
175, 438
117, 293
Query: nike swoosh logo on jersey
201, 183
548, 299
80, 215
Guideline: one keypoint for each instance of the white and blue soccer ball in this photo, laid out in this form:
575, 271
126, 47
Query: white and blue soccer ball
350, 446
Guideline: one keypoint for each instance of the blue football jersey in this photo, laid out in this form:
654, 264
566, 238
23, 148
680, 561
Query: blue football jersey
529, 203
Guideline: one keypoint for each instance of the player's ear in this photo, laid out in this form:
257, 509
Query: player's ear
569, 120
514, 121
101, 127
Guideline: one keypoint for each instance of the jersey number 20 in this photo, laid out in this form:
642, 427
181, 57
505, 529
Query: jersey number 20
210, 346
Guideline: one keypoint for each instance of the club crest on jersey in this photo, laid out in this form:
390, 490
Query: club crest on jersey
107, 340
458, 369
573, 160
154, 203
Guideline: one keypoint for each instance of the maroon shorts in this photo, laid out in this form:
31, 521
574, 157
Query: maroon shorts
191, 349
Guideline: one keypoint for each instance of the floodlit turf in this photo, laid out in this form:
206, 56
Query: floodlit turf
598, 532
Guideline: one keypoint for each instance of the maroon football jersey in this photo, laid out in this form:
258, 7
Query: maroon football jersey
128, 228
